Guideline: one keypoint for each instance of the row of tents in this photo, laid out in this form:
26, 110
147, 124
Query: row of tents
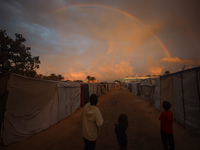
181, 89
34, 105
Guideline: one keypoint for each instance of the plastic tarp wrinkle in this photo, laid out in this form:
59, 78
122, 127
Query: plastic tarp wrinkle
178, 99
157, 94
192, 110
17, 128
28, 95
166, 87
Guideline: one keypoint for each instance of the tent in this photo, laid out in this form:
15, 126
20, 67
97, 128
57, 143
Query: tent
69, 98
157, 94
135, 88
92, 88
147, 88
182, 89
111, 86
99, 89
104, 87
166, 90
34, 105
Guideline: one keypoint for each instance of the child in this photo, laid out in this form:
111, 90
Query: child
166, 121
120, 131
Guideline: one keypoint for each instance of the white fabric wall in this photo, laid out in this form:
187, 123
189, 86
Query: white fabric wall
135, 88
32, 106
192, 102
17, 128
146, 82
178, 99
184, 97
157, 94
92, 88
69, 98
103, 89
166, 91
99, 87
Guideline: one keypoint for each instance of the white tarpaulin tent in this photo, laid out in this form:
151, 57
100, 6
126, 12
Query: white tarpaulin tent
135, 88
111, 86
157, 94
147, 88
182, 90
187, 99
166, 91
92, 88
34, 105
69, 98
99, 89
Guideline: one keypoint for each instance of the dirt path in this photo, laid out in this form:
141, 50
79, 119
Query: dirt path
143, 131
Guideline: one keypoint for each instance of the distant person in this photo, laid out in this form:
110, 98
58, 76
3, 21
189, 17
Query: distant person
166, 121
120, 131
92, 120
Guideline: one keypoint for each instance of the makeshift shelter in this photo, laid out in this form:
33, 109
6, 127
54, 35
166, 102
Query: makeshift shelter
182, 89
103, 88
157, 94
147, 88
166, 90
117, 84
92, 88
34, 105
111, 86
129, 86
99, 89
135, 88
69, 98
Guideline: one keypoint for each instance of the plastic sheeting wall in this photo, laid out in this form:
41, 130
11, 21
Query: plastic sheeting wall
166, 91
69, 98
178, 98
147, 93
103, 88
99, 89
135, 88
157, 94
182, 90
111, 86
92, 88
192, 100
32, 106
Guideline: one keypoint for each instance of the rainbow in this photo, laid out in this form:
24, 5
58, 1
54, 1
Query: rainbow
121, 12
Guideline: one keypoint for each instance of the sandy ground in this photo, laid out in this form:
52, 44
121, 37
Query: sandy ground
143, 131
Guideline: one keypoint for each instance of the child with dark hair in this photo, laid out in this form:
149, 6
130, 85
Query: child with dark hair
120, 131
166, 121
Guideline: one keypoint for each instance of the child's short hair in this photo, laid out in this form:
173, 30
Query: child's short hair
123, 121
166, 105
93, 99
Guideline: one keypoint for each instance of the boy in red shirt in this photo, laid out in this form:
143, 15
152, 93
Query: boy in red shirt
166, 121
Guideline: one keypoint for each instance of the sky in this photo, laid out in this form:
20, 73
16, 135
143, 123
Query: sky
106, 39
